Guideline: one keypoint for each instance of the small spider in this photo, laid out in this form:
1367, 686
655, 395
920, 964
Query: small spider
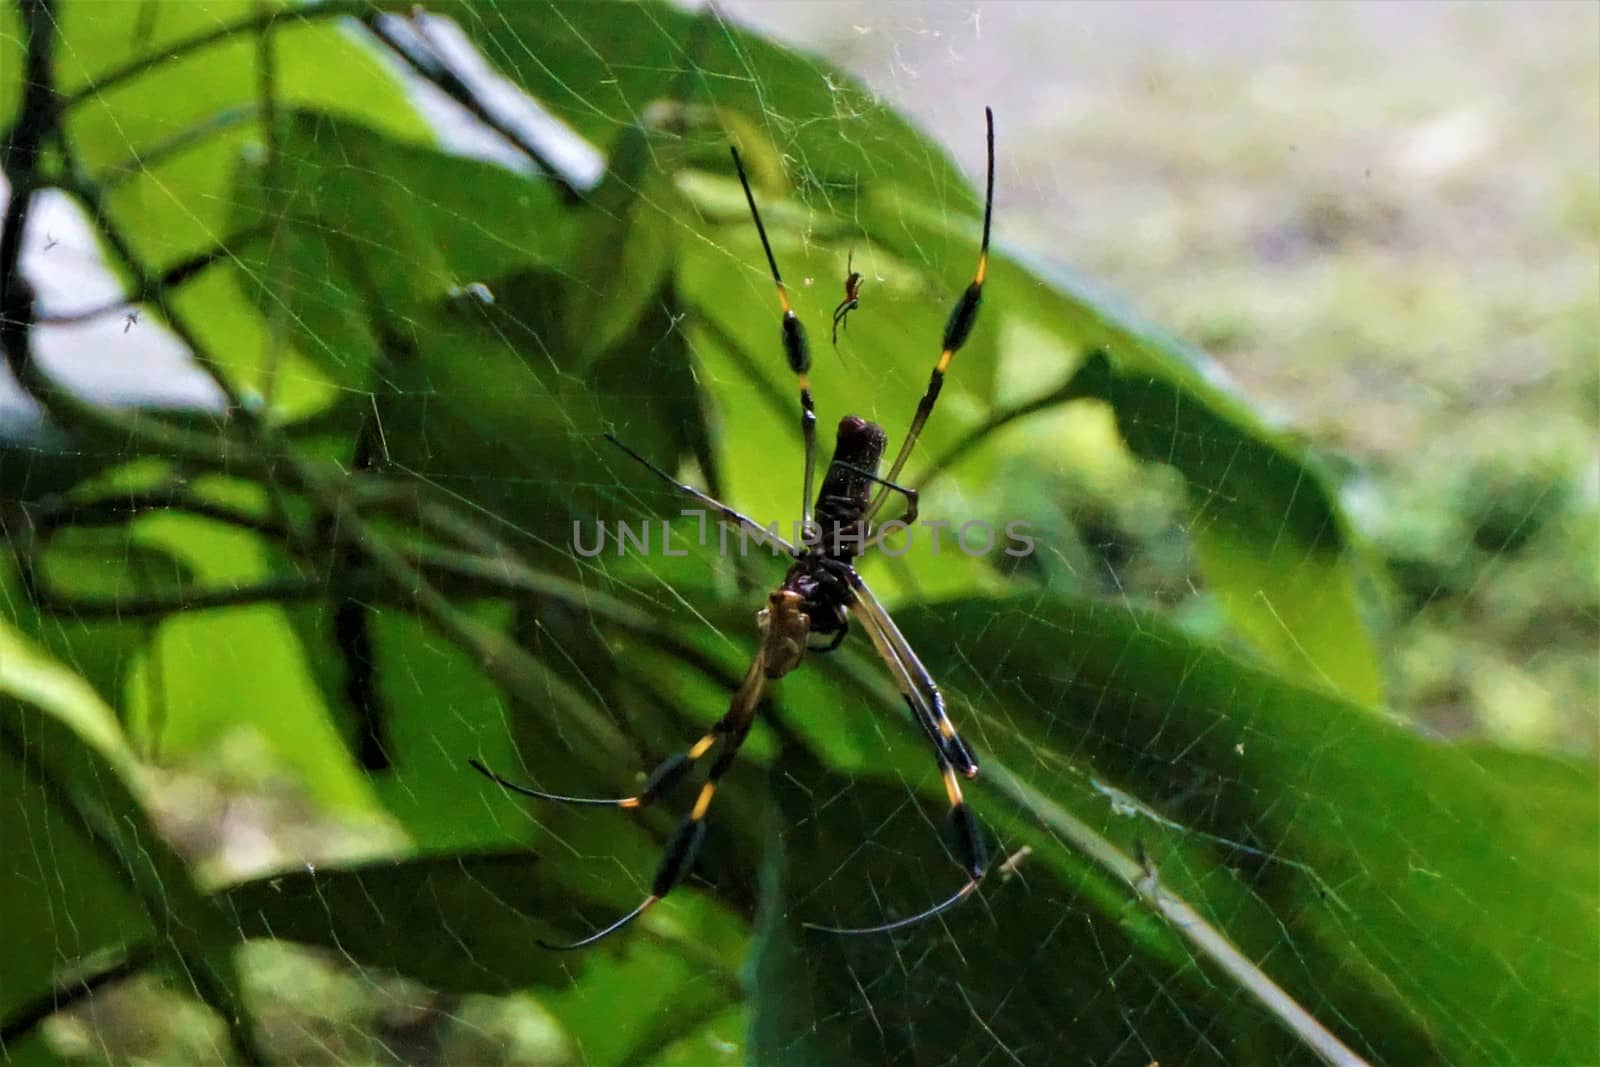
852, 297
820, 596
130, 320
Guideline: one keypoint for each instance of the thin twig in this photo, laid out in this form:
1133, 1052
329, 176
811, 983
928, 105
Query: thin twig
171, 278
249, 24
159, 605
20, 150
48, 515
506, 663
146, 159
78, 185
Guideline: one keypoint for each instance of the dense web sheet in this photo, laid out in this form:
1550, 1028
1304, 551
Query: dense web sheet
1207, 842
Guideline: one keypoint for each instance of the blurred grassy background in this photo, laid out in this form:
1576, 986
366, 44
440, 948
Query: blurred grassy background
1303, 190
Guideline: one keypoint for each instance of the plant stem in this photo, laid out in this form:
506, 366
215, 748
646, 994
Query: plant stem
1179, 915
426, 63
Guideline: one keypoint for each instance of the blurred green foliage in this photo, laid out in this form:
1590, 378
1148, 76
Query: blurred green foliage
249, 654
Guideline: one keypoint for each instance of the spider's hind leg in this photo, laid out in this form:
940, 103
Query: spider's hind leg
970, 851
678, 855
667, 774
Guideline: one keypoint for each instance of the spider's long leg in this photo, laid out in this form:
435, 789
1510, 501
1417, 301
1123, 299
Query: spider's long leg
667, 774
677, 858
970, 851
956, 331
916, 681
840, 313
723, 511
851, 301
795, 348
947, 748
895, 487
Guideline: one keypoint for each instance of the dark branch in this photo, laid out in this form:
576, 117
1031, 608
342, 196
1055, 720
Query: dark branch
431, 68
170, 278
19, 159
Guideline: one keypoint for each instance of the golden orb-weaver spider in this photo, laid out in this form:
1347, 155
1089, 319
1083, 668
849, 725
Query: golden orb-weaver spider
818, 596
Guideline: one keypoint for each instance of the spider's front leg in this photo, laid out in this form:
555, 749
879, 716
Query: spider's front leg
963, 317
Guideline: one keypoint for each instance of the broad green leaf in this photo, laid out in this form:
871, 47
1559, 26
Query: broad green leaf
13, 49
424, 223
493, 913
601, 68
357, 250
1338, 847
623, 245
1054, 959
237, 668
1271, 539
493, 411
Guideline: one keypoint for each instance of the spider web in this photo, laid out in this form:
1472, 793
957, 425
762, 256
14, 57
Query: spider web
835, 813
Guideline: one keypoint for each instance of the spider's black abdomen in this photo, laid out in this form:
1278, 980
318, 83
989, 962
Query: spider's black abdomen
822, 573
847, 488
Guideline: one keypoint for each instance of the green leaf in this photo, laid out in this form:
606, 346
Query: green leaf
238, 668
515, 429
601, 68
493, 911
623, 244
1271, 538
1342, 850
1052, 959
366, 251
13, 48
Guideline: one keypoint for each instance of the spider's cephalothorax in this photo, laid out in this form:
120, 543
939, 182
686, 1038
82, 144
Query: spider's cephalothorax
821, 594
